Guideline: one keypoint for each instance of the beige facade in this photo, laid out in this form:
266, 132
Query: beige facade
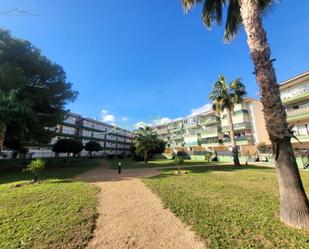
295, 97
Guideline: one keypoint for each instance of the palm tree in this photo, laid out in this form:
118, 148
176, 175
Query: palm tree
146, 140
294, 205
224, 97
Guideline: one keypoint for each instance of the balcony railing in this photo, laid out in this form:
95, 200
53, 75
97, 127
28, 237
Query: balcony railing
298, 113
240, 126
239, 139
303, 94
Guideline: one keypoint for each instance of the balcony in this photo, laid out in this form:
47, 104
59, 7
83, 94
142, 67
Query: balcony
210, 142
177, 137
301, 138
191, 140
298, 114
209, 121
299, 96
209, 133
240, 126
162, 131
243, 140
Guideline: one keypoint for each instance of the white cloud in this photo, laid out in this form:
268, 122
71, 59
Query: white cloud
107, 117
142, 124
124, 119
199, 110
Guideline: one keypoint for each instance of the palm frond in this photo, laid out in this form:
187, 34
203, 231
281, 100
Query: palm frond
233, 21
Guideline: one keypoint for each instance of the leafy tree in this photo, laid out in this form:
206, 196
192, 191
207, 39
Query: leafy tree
92, 146
68, 146
146, 140
294, 205
224, 97
11, 109
160, 147
35, 167
179, 161
36, 82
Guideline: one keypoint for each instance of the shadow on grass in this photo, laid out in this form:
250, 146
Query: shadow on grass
208, 168
63, 173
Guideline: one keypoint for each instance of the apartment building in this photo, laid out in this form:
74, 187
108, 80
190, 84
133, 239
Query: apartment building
295, 97
114, 140
208, 131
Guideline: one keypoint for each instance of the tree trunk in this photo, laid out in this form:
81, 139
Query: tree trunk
145, 156
232, 136
2, 135
294, 206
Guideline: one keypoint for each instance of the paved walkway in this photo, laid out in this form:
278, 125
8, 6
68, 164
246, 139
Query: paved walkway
131, 216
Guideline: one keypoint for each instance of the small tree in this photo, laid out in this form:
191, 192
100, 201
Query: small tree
146, 140
179, 161
92, 146
35, 167
76, 147
68, 146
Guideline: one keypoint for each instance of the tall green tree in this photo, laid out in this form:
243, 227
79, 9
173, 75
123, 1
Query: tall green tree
146, 140
224, 97
294, 205
37, 81
11, 110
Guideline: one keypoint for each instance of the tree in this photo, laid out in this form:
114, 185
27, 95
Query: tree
294, 205
11, 109
37, 83
35, 167
146, 140
224, 97
68, 146
92, 146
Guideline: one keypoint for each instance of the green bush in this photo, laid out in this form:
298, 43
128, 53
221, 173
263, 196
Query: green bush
35, 167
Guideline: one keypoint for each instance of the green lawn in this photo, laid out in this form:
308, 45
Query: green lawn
57, 213
230, 207
130, 164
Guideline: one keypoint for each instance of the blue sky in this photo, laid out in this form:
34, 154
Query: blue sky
139, 60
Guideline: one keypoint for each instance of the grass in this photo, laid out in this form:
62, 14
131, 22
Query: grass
230, 207
130, 164
56, 213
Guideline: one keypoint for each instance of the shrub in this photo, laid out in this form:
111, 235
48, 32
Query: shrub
35, 167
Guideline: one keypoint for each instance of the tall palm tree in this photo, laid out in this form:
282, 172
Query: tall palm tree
294, 205
224, 97
146, 140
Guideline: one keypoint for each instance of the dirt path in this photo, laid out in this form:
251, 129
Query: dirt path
131, 216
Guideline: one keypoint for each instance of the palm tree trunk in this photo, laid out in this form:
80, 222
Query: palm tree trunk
294, 206
145, 156
2, 135
232, 136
